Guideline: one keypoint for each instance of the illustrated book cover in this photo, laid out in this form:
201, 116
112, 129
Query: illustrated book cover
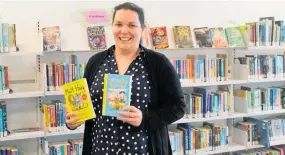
117, 93
219, 39
182, 37
159, 37
51, 39
77, 98
203, 37
234, 37
96, 37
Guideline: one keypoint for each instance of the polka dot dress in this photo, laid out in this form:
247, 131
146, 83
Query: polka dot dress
109, 135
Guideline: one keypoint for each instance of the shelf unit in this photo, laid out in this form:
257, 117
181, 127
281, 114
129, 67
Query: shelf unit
241, 80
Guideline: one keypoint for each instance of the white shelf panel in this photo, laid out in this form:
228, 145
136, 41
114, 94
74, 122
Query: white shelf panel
266, 113
229, 116
23, 135
65, 132
20, 53
22, 95
265, 80
267, 48
187, 83
72, 51
53, 93
231, 148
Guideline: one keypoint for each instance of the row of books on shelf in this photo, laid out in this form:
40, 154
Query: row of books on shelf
265, 32
70, 147
58, 74
263, 66
203, 103
251, 99
201, 68
54, 116
3, 119
9, 150
7, 37
4, 80
253, 131
199, 139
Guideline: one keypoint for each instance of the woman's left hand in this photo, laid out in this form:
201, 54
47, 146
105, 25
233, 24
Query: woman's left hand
131, 115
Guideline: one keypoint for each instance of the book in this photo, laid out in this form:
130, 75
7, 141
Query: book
182, 37
159, 37
117, 93
96, 37
51, 39
203, 37
77, 99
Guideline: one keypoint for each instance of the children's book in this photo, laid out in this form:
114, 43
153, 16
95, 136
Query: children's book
96, 37
51, 39
117, 93
159, 37
77, 98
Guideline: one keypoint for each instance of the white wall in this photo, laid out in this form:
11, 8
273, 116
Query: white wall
158, 13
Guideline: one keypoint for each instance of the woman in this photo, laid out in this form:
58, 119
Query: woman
156, 101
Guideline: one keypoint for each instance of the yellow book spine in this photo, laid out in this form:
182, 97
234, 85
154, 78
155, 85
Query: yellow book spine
105, 94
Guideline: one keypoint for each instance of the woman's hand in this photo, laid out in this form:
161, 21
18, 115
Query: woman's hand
71, 119
131, 115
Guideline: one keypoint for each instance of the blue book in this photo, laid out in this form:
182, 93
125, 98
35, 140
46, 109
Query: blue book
116, 94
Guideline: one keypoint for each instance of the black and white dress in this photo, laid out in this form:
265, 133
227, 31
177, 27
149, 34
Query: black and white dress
109, 135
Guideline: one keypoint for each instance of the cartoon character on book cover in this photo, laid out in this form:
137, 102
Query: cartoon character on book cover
117, 98
51, 39
77, 99
96, 37
117, 92
159, 37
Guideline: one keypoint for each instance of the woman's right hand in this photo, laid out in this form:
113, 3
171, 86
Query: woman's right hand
71, 118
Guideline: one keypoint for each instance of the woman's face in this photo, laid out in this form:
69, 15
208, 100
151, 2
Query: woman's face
127, 29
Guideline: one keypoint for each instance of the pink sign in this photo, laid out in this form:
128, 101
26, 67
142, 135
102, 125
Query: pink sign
96, 17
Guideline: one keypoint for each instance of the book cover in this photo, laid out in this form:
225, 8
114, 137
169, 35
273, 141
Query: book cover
96, 37
182, 37
203, 37
159, 37
51, 39
219, 39
234, 37
117, 93
77, 98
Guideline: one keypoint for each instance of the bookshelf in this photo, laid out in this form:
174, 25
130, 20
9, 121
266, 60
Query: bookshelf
75, 43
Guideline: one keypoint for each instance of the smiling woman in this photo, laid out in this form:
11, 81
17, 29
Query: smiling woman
156, 101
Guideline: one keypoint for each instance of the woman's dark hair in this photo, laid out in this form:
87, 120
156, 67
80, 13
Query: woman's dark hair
130, 6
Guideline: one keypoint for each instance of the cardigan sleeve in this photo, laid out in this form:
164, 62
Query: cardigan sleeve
170, 100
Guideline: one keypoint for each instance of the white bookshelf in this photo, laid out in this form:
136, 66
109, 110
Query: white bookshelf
65, 132
187, 83
21, 53
27, 94
74, 42
23, 136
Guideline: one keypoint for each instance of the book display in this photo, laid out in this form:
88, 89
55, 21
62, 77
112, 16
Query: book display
232, 78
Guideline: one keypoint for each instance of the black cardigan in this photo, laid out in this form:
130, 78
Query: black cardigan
166, 95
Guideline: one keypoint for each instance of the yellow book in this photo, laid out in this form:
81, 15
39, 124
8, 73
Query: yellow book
77, 98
